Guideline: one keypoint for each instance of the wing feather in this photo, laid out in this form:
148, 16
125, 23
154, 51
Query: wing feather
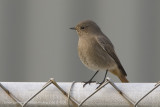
106, 44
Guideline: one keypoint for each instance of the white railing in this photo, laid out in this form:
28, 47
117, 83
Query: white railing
63, 94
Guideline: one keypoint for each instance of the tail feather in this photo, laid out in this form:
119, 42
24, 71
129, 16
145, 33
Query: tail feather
119, 74
123, 79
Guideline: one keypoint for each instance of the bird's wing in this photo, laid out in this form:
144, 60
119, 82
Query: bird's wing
106, 44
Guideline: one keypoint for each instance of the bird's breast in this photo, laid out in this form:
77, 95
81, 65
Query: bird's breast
92, 55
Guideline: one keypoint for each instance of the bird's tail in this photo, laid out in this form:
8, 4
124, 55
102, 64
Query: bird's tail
119, 74
123, 79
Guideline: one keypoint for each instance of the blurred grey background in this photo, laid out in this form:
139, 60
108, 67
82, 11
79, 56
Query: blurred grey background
37, 44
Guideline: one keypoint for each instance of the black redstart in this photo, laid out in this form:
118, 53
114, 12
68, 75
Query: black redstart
97, 52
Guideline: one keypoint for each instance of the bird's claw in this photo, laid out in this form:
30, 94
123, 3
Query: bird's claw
88, 82
100, 83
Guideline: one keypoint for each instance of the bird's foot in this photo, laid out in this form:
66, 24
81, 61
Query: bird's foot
100, 83
88, 82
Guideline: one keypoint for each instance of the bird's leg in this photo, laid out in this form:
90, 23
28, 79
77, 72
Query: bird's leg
103, 80
90, 81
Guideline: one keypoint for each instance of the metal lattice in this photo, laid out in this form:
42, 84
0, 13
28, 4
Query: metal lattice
75, 102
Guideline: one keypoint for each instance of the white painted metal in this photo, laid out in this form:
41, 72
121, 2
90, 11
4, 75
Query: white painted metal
52, 97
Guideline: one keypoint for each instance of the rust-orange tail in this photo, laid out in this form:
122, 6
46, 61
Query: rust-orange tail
119, 74
123, 79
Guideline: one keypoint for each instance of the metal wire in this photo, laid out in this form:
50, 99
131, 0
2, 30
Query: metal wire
11, 95
105, 83
157, 85
45, 86
74, 101
70, 92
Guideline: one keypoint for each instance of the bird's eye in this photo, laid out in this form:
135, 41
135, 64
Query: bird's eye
82, 27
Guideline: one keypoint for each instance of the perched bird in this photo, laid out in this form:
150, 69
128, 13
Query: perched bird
97, 52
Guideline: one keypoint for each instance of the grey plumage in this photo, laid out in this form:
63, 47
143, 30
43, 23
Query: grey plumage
96, 50
105, 43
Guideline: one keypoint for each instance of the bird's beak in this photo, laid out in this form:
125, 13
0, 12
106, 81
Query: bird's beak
73, 28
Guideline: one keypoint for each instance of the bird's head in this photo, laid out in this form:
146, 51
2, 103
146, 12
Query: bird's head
87, 28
